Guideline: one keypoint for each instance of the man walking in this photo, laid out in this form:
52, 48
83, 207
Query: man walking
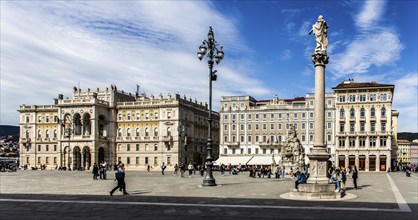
120, 177
163, 168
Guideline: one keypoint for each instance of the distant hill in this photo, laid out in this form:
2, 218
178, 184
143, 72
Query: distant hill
407, 136
9, 130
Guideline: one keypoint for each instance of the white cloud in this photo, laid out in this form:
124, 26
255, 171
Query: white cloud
376, 49
370, 14
286, 55
406, 102
47, 47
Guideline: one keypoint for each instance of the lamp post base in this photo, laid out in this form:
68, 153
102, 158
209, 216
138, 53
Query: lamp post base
209, 182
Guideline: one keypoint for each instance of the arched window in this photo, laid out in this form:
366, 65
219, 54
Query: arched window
373, 112
168, 131
128, 132
39, 134
137, 132
146, 132
155, 132
47, 133
27, 133
362, 112
342, 113
77, 124
352, 112
55, 133
120, 132
383, 112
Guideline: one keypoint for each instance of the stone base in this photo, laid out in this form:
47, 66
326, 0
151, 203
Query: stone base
317, 191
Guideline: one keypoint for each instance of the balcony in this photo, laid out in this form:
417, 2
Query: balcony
232, 144
167, 138
383, 118
137, 138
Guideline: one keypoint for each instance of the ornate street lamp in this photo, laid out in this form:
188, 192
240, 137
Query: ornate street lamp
210, 47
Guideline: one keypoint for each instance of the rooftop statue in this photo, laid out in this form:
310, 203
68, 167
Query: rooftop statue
320, 29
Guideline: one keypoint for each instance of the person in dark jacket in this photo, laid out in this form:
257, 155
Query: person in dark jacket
95, 171
355, 176
300, 179
120, 177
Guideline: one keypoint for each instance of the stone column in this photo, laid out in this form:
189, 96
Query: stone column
319, 157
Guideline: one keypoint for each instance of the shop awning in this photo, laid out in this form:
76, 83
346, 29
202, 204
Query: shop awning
233, 160
264, 160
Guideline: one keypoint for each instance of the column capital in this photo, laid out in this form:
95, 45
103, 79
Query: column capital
320, 59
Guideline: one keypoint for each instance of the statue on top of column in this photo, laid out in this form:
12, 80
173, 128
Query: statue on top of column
320, 29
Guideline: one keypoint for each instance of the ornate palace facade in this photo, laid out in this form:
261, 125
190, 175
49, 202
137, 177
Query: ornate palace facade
111, 125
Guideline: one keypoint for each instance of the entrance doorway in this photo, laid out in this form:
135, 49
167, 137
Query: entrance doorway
383, 163
372, 163
341, 160
362, 163
101, 155
77, 158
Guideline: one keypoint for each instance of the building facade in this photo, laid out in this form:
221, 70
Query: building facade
366, 125
403, 153
414, 152
253, 131
111, 125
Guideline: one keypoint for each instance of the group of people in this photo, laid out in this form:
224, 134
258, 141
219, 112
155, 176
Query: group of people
100, 170
191, 168
338, 176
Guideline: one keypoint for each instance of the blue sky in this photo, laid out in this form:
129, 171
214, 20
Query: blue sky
47, 47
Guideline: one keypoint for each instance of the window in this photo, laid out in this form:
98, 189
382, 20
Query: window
47, 118
287, 115
147, 115
39, 134
55, 160
168, 160
383, 126
264, 151
233, 151
383, 97
146, 160
352, 142
311, 114
362, 127
280, 116
242, 127
311, 125
303, 125
329, 114
234, 117
287, 126
47, 133
249, 127
40, 119
264, 126
256, 126
256, 138
271, 116
352, 112
373, 126
128, 160
329, 138
256, 151
137, 147
155, 132
128, 117
362, 141
256, 117
137, 160
234, 138
241, 116
383, 141
383, 112
264, 116
120, 132
295, 115
372, 97
225, 138
341, 142
155, 160
310, 137
146, 147
249, 116
249, 139
146, 132
225, 150
225, 127
47, 160
249, 150
311, 102
342, 98
242, 138
329, 102
168, 115
362, 113
55, 134
329, 125
373, 112
55, 147
271, 126
156, 115
303, 138
341, 127
39, 147
233, 127
168, 131
128, 147
128, 132
362, 98
372, 141
155, 147
242, 151
303, 115
119, 116
351, 127
264, 138
352, 98
342, 113
39, 160
47, 147
138, 116
137, 132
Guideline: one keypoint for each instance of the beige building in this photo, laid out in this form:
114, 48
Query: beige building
111, 125
366, 125
253, 131
403, 152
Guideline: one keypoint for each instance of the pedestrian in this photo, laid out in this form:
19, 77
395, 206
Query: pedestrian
201, 170
148, 167
104, 167
176, 169
120, 177
182, 169
335, 179
163, 168
190, 168
355, 177
343, 177
95, 171
222, 169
